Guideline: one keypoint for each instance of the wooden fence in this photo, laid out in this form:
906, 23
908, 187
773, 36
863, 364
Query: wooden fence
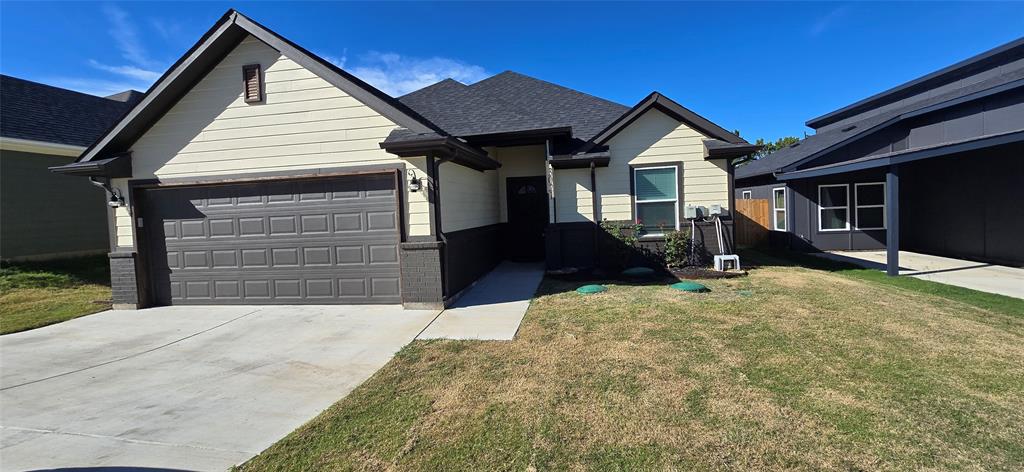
752, 222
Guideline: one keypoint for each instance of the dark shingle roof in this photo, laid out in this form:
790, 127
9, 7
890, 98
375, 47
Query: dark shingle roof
511, 102
38, 112
814, 144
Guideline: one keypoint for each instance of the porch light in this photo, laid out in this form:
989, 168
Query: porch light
414, 183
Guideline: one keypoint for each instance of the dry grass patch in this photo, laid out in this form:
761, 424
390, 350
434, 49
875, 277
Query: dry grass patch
788, 368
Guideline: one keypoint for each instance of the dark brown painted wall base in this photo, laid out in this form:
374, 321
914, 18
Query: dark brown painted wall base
470, 254
421, 274
580, 244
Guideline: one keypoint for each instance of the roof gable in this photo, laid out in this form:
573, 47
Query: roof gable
657, 101
220, 40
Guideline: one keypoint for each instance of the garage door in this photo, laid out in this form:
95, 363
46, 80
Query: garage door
286, 242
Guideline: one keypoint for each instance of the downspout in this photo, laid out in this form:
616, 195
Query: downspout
594, 210
434, 174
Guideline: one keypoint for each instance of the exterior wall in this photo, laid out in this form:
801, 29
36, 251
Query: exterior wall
124, 284
965, 206
47, 215
469, 198
421, 274
417, 204
997, 114
303, 123
657, 138
517, 161
573, 195
802, 197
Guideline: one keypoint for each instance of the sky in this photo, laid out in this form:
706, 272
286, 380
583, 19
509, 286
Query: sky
761, 68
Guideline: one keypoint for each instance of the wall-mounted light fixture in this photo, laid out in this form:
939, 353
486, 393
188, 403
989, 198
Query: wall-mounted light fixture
116, 199
415, 183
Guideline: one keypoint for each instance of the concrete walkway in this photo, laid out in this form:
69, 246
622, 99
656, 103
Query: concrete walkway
990, 278
196, 388
493, 308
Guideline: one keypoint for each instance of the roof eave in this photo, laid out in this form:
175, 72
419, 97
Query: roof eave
445, 147
112, 167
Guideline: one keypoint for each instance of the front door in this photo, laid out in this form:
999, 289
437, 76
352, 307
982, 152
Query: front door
527, 201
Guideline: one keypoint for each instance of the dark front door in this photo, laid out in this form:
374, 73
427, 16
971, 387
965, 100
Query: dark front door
527, 201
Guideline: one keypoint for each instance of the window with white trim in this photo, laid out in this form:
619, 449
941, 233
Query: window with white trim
869, 205
779, 208
746, 195
834, 207
657, 198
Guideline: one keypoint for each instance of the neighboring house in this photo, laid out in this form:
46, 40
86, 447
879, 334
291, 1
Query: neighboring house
44, 215
256, 172
935, 165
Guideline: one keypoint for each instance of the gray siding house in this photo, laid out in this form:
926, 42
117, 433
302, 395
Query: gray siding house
255, 172
935, 165
45, 215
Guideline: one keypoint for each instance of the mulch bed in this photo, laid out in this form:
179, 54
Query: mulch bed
690, 273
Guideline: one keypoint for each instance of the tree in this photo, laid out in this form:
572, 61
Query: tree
767, 148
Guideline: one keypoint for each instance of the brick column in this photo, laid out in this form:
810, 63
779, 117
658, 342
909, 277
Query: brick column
124, 281
422, 286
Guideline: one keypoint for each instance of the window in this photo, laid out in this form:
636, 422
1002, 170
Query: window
869, 205
657, 204
252, 87
779, 208
833, 207
746, 194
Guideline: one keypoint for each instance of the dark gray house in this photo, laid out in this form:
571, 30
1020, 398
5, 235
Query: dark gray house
42, 214
935, 165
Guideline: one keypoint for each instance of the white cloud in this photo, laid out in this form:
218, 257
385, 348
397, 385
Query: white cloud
398, 75
98, 87
122, 29
336, 60
130, 72
825, 22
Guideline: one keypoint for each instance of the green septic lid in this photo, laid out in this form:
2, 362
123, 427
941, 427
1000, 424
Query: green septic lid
638, 272
588, 289
689, 286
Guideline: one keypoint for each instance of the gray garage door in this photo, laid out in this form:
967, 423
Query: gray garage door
287, 242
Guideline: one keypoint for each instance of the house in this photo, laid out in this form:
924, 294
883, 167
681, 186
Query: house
256, 172
44, 215
932, 166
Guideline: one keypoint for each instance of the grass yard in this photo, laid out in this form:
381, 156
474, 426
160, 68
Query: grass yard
43, 293
789, 368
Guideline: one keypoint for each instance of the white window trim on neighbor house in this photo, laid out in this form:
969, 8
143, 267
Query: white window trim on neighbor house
746, 195
776, 210
822, 209
637, 202
857, 206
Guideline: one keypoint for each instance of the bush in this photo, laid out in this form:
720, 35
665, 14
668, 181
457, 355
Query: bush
682, 251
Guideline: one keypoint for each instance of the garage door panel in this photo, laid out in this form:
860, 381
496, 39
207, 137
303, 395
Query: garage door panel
326, 241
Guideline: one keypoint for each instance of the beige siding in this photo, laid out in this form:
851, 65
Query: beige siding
517, 161
573, 197
304, 122
469, 198
658, 138
417, 205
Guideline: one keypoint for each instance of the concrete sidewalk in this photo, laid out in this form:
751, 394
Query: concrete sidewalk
493, 308
990, 278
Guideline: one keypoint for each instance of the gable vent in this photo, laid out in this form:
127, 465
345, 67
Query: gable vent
252, 83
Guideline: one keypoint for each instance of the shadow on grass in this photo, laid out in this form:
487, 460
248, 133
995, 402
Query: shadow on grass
762, 258
60, 273
555, 284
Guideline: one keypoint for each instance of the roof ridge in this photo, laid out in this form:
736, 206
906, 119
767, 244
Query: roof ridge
62, 89
520, 74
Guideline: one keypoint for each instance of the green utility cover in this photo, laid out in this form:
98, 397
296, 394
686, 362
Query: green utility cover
588, 289
638, 272
688, 286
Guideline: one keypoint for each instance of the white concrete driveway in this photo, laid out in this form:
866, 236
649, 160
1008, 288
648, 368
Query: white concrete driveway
199, 388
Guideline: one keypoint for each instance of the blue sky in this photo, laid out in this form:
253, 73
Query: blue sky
763, 68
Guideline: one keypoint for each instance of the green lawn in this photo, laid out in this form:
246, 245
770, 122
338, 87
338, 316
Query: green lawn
43, 293
789, 368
